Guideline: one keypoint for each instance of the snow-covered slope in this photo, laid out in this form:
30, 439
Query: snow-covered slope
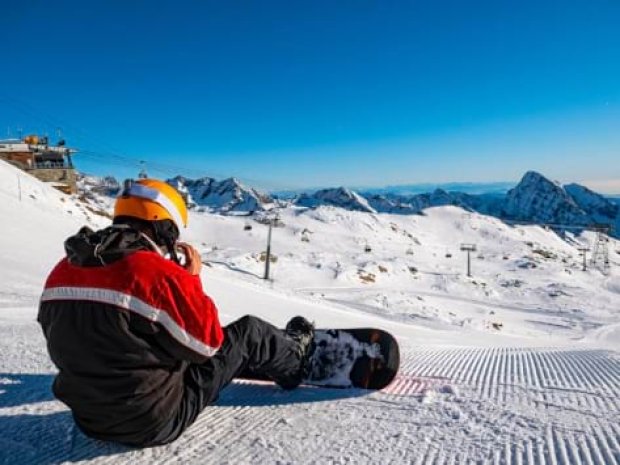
527, 281
34, 217
477, 384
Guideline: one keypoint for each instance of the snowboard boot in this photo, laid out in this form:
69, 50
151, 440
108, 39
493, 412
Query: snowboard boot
301, 331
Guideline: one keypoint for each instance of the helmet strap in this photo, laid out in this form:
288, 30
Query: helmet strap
151, 242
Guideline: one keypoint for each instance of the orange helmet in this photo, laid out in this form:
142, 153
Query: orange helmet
151, 200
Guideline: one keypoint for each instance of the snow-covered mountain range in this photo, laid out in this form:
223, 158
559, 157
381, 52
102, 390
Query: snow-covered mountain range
535, 199
229, 195
106, 186
465, 187
338, 197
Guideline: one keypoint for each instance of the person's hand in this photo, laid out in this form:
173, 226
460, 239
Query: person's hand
193, 262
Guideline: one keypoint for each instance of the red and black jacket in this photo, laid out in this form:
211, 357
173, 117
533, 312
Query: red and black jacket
122, 323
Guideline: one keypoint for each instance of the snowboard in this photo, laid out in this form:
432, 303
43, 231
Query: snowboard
365, 358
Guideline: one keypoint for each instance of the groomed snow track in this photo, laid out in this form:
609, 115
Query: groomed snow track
451, 406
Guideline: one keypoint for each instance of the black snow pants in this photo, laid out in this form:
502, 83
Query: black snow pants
251, 347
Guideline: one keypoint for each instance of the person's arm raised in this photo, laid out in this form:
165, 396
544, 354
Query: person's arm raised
193, 263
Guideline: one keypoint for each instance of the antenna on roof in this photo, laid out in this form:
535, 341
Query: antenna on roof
60, 142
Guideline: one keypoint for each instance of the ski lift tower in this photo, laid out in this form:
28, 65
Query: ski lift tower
600, 252
469, 248
273, 221
583, 250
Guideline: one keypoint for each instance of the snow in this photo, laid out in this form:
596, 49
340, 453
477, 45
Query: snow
535, 199
339, 197
517, 364
526, 280
229, 195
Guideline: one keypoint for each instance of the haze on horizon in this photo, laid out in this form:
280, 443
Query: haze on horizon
320, 94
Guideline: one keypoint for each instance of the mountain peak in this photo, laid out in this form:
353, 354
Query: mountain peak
534, 177
336, 197
537, 199
229, 195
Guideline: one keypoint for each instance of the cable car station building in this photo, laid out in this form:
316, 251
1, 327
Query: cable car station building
49, 163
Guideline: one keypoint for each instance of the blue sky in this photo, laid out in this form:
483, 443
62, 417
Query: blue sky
297, 94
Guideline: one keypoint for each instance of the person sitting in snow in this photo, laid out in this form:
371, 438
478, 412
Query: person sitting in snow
138, 345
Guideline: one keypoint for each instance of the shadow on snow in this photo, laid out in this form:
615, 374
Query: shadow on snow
263, 393
19, 389
53, 438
